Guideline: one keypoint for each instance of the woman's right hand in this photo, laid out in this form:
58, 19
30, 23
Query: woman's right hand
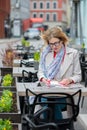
46, 81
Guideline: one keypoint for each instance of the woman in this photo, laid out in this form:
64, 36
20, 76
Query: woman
58, 62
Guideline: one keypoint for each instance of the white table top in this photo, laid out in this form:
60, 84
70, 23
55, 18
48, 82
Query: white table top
20, 51
17, 71
82, 118
21, 87
16, 61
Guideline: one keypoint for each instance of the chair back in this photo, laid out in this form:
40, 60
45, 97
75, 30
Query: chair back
31, 76
48, 101
83, 64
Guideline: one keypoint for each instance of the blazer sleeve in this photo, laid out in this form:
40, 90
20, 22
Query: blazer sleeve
40, 71
76, 68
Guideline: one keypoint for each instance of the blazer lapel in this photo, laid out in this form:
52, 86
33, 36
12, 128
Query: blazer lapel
67, 62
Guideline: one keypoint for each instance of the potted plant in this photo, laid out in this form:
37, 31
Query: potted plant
25, 43
6, 124
36, 59
9, 106
7, 56
8, 82
6, 101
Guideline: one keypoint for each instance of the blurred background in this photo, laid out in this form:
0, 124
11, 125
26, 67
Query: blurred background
17, 16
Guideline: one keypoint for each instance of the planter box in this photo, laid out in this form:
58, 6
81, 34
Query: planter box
6, 70
17, 126
15, 114
11, 88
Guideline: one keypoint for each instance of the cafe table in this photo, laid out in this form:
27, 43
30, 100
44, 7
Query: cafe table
17, 62
21, 88
19, 52
17, 71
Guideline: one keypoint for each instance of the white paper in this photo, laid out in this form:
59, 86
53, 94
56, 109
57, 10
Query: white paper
55, 83
70, 86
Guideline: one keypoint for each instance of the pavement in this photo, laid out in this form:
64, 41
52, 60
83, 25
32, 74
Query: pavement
78, 126
8, 40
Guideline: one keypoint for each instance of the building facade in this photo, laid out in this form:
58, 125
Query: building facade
19, 9
54, 12
4, 15
79, 21
83, 10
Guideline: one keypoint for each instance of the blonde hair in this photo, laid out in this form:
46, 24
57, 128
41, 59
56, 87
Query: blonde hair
54, 32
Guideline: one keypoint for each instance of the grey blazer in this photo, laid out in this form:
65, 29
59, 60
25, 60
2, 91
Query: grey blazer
70, 67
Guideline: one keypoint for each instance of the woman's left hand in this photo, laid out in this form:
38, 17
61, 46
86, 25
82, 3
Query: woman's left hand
66, 81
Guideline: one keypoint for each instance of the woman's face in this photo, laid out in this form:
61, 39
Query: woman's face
55, 44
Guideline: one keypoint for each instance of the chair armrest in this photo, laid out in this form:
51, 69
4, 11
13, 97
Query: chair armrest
26, 63
41, 111
44, 125
83, 63
77, 102
27, 96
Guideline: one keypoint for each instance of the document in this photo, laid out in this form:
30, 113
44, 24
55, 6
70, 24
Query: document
70, 86
55, 83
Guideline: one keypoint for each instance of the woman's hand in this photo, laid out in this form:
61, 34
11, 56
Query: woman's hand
66, 81
46, 81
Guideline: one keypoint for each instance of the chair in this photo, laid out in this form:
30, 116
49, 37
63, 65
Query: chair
26, 63
31, 120
19, 47
85, 84
52, 99
32, 123
31, 76
83, 64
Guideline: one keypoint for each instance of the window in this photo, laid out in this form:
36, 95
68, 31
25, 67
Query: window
41, 15
41, 5
47, 17
54, 5
34, 15
54, 17
48, 5
34, 5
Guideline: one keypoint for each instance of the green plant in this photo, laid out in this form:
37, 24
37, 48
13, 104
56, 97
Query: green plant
5, 124
6, 101
7, 80
25, 42
37, 56
83, 45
